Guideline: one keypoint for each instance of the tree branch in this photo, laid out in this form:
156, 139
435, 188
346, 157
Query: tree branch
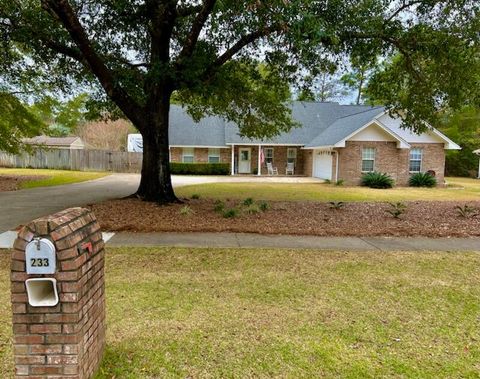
186, 11
244, 41
77, 54
62, 10
239, 45
64, 50
400, 9
197, 27
393, 42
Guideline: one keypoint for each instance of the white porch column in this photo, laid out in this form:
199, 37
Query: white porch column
259, 168
479, 167
477, 152
232, 160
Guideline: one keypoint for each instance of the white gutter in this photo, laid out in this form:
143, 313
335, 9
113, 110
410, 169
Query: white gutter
264, 144
201, 146
326, 147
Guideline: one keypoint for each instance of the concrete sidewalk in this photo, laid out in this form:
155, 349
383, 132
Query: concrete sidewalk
244, 240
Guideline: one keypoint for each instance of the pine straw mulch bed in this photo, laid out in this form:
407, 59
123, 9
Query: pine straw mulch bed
422, 218
13, 182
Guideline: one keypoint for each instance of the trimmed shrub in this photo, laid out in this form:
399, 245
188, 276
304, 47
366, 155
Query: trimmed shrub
467, 211
248, 201
336, 204
396, 209
199, 168
377, 180
219, 206
263, 205
230, 213
422, 179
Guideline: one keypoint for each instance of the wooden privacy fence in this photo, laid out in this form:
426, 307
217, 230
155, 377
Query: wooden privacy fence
80, 160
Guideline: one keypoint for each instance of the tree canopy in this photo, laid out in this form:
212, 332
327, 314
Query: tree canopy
16, 123
129, 46
61, 117
324, 87
463, 127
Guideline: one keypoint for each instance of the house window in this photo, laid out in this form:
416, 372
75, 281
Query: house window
415, 160
368, 159
292, 155
188, 155
268, 154
213, 155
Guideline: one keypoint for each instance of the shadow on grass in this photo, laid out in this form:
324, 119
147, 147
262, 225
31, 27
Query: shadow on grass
133, 359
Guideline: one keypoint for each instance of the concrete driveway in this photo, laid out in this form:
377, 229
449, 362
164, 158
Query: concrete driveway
20, 207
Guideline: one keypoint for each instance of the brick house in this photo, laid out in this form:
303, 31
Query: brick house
333, 142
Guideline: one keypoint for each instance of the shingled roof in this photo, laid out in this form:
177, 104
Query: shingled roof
52, 141
319, 121
184, 131
344, 127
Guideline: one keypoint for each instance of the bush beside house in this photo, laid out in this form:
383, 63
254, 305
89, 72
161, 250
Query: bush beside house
422, 179
377, 180
199, 168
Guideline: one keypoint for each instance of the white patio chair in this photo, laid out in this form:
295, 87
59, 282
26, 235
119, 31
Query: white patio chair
271, 170
290, 168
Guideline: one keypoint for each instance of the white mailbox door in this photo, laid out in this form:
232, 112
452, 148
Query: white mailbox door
40, 257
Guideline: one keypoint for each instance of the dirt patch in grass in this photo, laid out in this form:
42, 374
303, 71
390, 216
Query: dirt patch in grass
14, 182
421, 218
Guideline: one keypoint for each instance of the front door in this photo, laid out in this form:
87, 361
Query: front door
244, 160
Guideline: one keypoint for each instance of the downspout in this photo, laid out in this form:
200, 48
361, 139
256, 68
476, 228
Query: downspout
336, 165
232, 159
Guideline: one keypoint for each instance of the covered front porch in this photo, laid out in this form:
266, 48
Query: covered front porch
248, 160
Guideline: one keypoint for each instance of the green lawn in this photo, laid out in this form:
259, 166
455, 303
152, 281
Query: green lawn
461, 189
284, 313
54, 177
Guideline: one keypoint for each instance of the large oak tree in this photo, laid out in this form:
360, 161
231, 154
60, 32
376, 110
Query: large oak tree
137, 53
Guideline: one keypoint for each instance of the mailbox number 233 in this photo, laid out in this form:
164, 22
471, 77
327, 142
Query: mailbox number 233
39, 262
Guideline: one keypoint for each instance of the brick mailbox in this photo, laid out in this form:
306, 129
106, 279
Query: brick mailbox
58, 296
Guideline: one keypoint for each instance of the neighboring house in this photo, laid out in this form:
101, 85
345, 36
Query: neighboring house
334, 142
63, 143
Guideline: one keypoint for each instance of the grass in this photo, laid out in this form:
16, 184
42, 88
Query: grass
53, 177
460, 189
283, 313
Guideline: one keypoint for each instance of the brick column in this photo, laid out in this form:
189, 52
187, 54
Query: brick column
66, 340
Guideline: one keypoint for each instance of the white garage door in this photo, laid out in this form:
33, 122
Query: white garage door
322, 165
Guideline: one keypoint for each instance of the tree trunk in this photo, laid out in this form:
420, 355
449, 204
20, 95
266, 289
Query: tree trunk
360, 89
155, 182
